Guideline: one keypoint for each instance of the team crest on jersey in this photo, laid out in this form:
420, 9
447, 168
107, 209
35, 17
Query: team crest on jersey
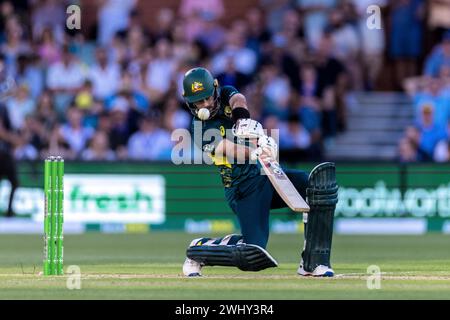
197, 86
227, 111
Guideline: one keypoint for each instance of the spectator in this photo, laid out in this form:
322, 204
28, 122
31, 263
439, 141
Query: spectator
346, 46
194, 11
136, 42
244, 58
275, 10
174, 117
45, 111
315, 13
120, 130
293, 135
98, 149
15, 45
372, 42
290, 37
331, 73
405, 46
74, 133
407, 151
442, 149
165, 19
161, 70
30, 74
430, 133
48, 50
65, 78
51, 15
212, 36
24, 148
258, 36
113, 16
428, 91
105, 76
232, 77
150, 142
20, 106
275, 90
439, 57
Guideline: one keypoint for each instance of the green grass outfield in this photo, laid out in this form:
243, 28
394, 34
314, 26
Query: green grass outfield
148, 266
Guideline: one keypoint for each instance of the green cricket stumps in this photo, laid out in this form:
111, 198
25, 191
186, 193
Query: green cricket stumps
47, 210
60, 216
53, 215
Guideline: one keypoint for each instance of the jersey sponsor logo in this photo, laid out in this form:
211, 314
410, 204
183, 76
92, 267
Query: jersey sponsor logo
197, 86
227, 111
222, 131
208, 148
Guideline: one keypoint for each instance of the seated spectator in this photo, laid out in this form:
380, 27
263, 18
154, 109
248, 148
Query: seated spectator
428, 91
275, 89
30, 74
174, 117
293, 135
58, 145
150, 142
84, 99
440, 56
74, 133
49, 15
192, 12
290, 37
113, 16
15, 44
331, 73
213, 34
407, 151
45, 111
105, 76
161, 70
20, 106
315, 18
346, 46
442, 149
244, 58
48, 50
119, 129
24, 148
98, 149
405, 45
430, 133
372, 41
258, 35
230, 76
64, 79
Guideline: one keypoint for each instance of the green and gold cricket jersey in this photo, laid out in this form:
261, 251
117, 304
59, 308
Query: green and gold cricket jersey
232, 174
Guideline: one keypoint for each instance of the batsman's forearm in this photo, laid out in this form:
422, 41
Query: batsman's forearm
232, 150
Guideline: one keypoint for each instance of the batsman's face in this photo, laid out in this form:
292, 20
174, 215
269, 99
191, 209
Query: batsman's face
205, 103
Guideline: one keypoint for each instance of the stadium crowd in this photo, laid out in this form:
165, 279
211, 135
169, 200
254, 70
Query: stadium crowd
115, 93
428, 139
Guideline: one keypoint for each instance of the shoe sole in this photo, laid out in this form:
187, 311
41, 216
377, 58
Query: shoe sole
195, 274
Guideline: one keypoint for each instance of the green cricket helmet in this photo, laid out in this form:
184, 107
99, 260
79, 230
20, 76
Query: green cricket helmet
199, 84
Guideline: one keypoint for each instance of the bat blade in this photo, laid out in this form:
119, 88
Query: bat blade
282, 184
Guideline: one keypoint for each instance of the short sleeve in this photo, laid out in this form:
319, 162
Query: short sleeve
226, 92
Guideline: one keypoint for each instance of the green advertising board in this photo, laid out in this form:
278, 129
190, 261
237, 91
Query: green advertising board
140, 197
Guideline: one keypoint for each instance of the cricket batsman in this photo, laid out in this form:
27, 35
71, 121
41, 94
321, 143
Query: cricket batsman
249, 193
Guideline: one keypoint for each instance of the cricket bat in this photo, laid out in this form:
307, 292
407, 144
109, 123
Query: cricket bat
282, 184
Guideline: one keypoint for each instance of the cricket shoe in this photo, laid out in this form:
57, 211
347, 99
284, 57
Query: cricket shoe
319, 271
192, 268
